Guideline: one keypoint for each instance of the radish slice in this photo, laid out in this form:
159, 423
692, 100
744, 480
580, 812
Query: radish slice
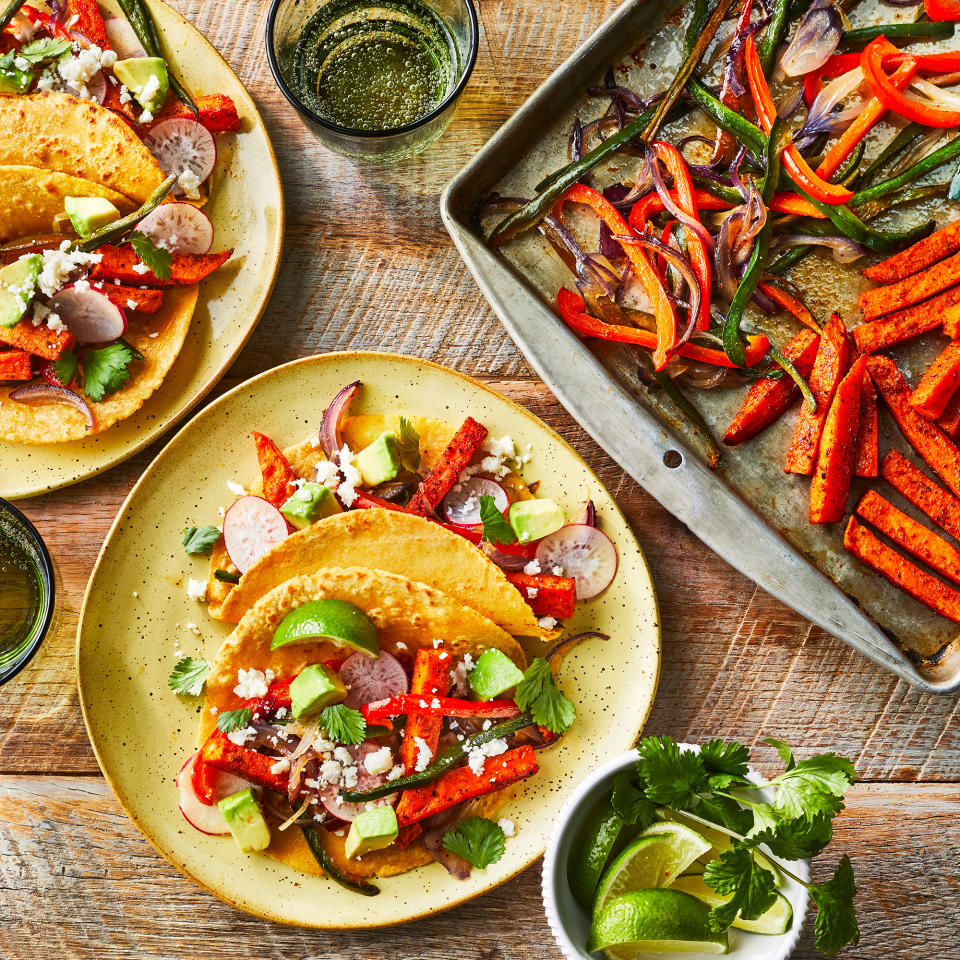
582, 552
178, 227
180, 145
251, 527
372, 678
122, 38
97, 87
462, 504
330, 795
89, 315
206, 818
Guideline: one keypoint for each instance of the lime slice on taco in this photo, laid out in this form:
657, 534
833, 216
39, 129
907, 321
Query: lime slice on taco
329, 619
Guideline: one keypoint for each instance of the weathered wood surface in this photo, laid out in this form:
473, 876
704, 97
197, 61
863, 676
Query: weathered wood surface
368, 265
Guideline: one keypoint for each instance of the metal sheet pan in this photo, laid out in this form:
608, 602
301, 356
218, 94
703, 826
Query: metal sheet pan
748, 510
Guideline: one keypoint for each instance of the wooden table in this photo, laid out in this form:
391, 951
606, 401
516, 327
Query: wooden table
367, 264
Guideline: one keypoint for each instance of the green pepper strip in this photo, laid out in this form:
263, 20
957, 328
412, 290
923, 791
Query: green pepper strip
698, 22
443, 762
778, 358
533, 212
910, 133
750, 135
331, 869
789, 259
897, 31
225, 576
773, 35
848, 170
946, 153
733, 343
10, 12
113, 231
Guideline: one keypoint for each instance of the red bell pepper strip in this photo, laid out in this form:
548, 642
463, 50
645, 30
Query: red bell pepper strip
46, 22
215, 111
89, 22
452, 462
117, 263
782, 202
40, 341
405, 704
368, 501
456, 786
224, 754
546, 595
942, 9
15, 365
278, 475
798, 168
571, 307
431, 678
666, 336
789, 303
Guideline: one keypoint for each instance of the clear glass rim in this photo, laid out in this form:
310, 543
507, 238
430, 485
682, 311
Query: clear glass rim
49, 582
373, 134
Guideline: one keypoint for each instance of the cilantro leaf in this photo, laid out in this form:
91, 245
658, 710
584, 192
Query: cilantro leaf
786, 754
630, 802
750, 887
495, 527
836, 923
725, 811
188, 676
156, 258
47, 48
106, 370
200, 539
65, 367
538, 693
814, 785
409, 443
232, 720
791, 839
729, 758
478, 840
343, 724
673, 778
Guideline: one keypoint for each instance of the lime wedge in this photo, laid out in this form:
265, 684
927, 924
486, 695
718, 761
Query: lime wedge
776, 920
654, 921
329, 619
655, 859
589, 854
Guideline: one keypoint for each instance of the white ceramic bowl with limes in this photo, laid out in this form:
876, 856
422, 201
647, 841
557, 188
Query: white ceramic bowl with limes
570, 923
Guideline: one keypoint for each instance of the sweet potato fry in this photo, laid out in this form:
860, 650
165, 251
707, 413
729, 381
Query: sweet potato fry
882, 300
431, 677
40, 341
185, 268
868, 441
546, 595
921, 255
941, 507
936, 448
15, 365
900, 571
833, 357
767, 399
949, 420
89, 22
452, 462
914, 537
904, 324
830, 486
278, 475
132, 298
938, 384
217, 112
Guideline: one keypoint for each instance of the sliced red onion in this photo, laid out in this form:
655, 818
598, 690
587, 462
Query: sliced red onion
330, 438
815, 41
690, 222
631, 101
587, 515
560, 649
791, 105
599, 279
706, 376
825, 114
512, 562
576, 141
844, 249
51, 393
902, 3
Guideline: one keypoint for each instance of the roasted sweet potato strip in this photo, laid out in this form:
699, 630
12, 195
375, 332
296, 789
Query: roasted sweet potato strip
921, 255
925, 437
278, 475
939, 383
833, 357
942, 507
830, 486
40, 341
185, 268
767, 399
452, 462
132, 298
89, 22
896, 296
15, 365
914, 537
217, 112
868, 441
431, 677
904, 324
547, 595
901, 572
949, 420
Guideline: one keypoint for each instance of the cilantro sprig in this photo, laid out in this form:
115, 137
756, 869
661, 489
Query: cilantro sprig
107, 369
409, 443
495, 527
231, 720
188, 676
538, 693
46, 48
343, 724
156, 258
200, 540
478, 840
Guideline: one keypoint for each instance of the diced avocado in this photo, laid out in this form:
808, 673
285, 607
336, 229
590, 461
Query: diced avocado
18, 282
246, 821
493, 673
12, 80
88, 214
371, 830
533, 519
147, 80
313, 501
380, 461
314, 688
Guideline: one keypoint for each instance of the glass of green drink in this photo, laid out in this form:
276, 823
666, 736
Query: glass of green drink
27, 591
375, 80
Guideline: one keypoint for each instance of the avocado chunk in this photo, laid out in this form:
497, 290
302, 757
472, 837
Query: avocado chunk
379, 462
312, 501
18, 282
88, 214
493, 673
246, 821
12, 80
147, 80
533, 519
314, 688
372, 830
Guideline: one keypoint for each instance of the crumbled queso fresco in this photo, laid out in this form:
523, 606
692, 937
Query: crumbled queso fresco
197, 589
343, 479
478, 756
78, 70
252, 683
60, 266
190, 183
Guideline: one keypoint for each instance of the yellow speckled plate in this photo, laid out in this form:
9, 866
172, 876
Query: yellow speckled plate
136, 614
246, 207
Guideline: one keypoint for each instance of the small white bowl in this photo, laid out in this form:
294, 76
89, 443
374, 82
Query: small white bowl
570, 923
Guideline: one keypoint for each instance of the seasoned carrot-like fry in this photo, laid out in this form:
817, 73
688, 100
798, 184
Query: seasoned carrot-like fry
120, 263
882, 300
941, 507
939, 383
547, 595
833, 357
15, 365
431, 677
925, 437
914, 537
132, 298
921, 255
866, 462
451, 463
216, 111
949, 420
40, 341
901, 572
895, 327
830, 486
278, 475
